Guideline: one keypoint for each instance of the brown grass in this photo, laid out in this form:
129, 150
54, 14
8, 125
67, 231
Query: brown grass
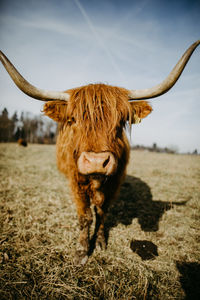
152, 230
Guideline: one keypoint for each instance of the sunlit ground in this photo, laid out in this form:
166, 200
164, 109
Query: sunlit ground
152, 230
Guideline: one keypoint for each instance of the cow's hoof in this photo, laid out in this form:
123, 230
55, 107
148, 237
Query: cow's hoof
101, 242
81, 258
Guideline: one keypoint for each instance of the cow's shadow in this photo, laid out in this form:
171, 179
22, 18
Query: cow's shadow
189, 279
135, 201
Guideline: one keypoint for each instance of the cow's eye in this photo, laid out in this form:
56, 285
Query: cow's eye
71, 120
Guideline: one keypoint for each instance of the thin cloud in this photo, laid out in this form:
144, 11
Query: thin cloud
98, 39
47, 24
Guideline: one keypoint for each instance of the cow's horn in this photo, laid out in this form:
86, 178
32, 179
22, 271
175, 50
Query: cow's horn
29, 89
168, 83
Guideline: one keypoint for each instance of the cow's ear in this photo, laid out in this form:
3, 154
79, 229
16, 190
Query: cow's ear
56, 110
140, 110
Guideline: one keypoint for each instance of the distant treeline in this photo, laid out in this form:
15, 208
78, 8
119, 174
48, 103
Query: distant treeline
33, 129
155, 148
42, 130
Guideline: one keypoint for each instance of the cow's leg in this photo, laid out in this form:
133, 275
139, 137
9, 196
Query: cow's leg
102, 201
85, 220
100, 220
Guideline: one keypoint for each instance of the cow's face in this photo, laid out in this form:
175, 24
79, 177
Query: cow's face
92, 122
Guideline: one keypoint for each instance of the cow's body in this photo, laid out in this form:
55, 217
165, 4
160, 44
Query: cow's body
92, 129
92, 149
22, 142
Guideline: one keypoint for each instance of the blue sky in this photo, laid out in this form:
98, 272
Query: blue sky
57, 44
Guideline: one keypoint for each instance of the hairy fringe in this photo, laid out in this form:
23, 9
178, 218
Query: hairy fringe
99, 106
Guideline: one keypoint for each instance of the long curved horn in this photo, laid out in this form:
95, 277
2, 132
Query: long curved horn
168, 83
28, 88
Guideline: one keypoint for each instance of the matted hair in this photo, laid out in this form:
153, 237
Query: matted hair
99, 106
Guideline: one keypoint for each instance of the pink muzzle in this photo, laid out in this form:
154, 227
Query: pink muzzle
96, 163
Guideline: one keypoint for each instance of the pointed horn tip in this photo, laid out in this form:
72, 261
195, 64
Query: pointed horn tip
143, 95
27, 88
2, 54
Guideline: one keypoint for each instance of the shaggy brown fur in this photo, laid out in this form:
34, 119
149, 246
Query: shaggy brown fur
93, 121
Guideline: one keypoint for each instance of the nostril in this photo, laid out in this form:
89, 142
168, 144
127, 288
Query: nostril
86, 160
106, 162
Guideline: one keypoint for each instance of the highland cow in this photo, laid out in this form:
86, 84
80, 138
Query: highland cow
92, 148
22, 142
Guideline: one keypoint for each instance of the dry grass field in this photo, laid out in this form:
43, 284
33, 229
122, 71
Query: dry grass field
152, 230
